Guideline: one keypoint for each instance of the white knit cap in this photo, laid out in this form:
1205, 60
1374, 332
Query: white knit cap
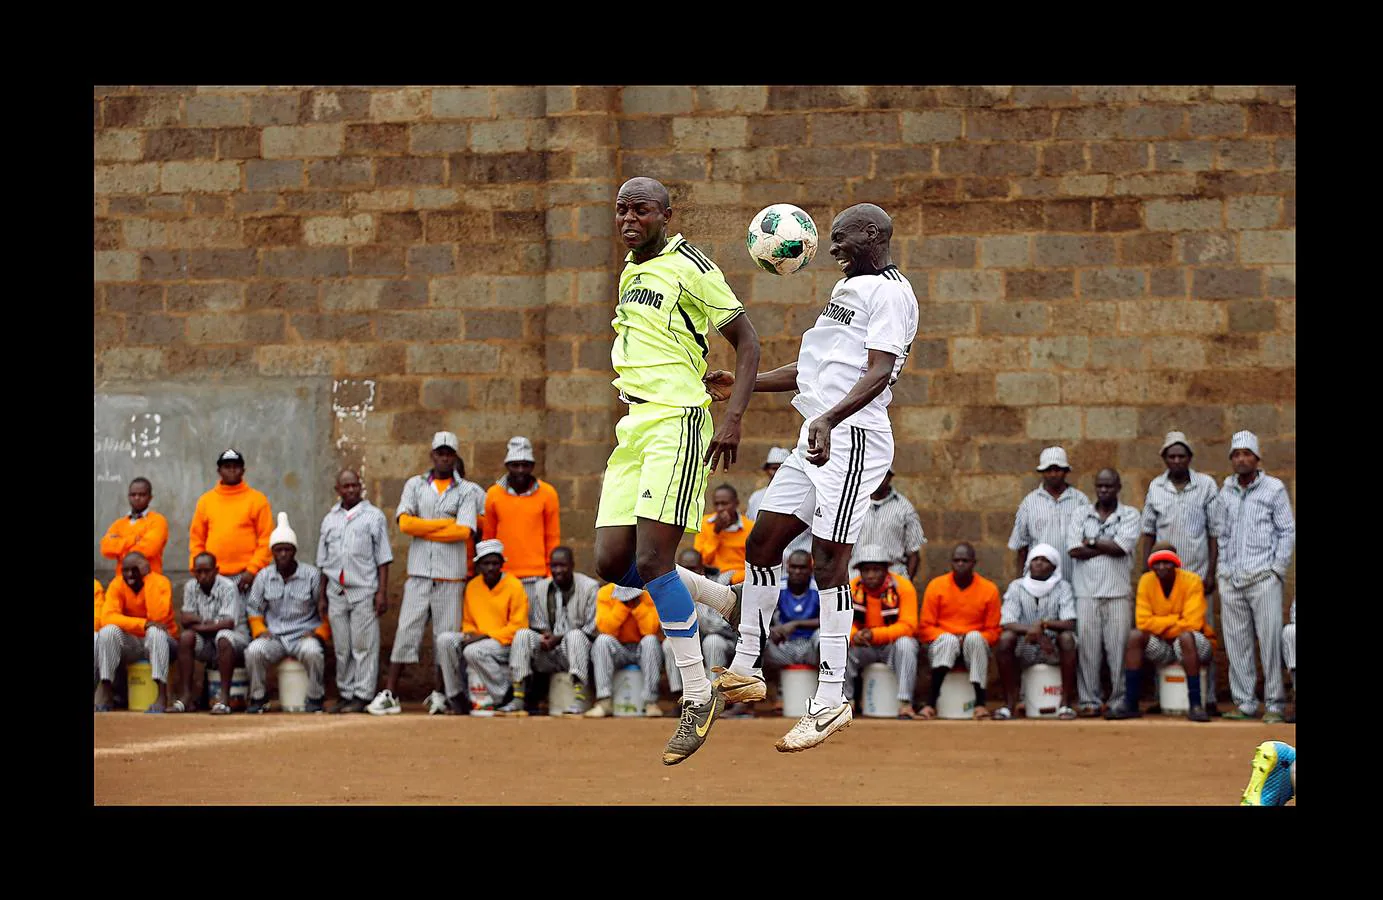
1052, 456
283, 534
485, 548
520, 449
776, 457
1245, 440
870, 553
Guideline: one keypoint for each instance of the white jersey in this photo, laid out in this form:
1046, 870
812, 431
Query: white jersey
865, 312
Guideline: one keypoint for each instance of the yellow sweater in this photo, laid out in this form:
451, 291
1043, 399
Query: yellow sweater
1167, 617
498, 613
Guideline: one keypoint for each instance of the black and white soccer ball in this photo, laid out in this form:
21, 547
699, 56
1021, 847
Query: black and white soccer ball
782, 239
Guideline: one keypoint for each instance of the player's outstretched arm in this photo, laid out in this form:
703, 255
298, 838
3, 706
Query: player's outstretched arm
783, 378
870, 385
725, 444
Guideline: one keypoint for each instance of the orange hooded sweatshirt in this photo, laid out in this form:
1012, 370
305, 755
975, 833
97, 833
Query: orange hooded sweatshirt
129, 610
628, 626
233, 524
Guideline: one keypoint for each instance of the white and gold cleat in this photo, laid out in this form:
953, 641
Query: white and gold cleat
738, 688
815, 726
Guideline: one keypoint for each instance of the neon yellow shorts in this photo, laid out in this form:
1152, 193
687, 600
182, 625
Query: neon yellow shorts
656, 470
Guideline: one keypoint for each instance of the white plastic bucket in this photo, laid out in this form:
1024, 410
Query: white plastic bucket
627, 692
292, 678
957, 700
240, 683
1171, 689
880, 692
796, 685
561, 694
475, 687
1041, 691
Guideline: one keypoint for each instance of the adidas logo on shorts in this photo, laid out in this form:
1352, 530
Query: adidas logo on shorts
646, 495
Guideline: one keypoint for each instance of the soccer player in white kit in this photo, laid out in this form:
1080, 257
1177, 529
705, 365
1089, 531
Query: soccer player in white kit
842, 376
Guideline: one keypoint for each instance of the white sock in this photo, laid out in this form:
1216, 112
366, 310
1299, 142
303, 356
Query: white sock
756, 611
717, 596
692, 667
622, 593
836, 616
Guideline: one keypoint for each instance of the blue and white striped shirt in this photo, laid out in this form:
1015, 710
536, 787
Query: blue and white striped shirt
1103, 575
224, 602
1257, 529
1022, 608
893, 524
463, 501
1184, 517
1043, 519
288, 606
355, 542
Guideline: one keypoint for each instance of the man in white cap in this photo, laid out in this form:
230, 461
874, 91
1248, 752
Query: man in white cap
891, 522
884, 626
439, 510
776, 457
496, 608
287, 613
524, 514
1257, 534
1179, 509
1046, 513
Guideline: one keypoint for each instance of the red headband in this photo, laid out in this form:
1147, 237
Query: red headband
1165, 556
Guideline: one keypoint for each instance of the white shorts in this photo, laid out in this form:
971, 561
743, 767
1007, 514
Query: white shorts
832, 499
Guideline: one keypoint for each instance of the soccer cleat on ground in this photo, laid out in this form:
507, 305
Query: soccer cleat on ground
738, 688
1273, 781
384, 704
815, 727
436, 703
692, 727
514, 707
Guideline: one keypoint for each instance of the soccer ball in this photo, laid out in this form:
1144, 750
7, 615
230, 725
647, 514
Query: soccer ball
782, 239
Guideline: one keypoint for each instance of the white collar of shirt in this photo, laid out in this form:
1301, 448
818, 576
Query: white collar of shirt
739, 523
892, 492
503, 482
1257, 480
1069, 492
1166, 480
135, 517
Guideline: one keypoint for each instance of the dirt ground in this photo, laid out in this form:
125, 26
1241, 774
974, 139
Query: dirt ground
414, 759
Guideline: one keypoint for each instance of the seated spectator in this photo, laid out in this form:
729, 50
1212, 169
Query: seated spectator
96, 634
136, 623
494, 609
723, 536
718, 638
885, 625
891, 522
629, 635
524, 514
1168, 621
561, 626
288, 617
143, 530
960, 616
1039, 626
776, 457
215, 631
1289, 655
232, 522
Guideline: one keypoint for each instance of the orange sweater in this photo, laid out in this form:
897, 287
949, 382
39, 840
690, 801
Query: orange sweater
100, 601
904, 625
129, 610
529, 527
1167, 617
946, 609
233, 524
498, 613
725, 550
627, 625
147, 535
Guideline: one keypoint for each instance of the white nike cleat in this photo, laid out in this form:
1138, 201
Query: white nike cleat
739, 688
815, 727
384, 704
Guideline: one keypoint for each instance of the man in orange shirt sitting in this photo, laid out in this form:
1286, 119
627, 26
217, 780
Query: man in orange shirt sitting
630, 634
885, 625
136, 623
1169, 616
960, 617
232, 523
723, 536
523, 514
143, 530
495, 608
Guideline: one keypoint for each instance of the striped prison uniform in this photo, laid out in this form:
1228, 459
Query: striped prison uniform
1104, 597
892, 631
136, 626
608, 654
1044, 519
223, 602
893, 525
570, 617
496, 614
1289, 643
436, 569
1257, 535
284, 620
353, 544
1022, 608
956, 621
1165, 618
717, 645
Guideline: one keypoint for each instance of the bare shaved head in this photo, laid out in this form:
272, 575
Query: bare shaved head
862, 215
649, 187
137, 561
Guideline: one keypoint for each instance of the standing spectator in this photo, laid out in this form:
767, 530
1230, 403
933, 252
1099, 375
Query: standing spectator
232, 522
561, 626
143, 529
287, 613
776, 457
1099, 541
215, 631
136, 623
1257, 534
629, 635
1046, 512
354, 556
718, 638
723, 535
1039, 623
892, 523
1167, 628
522, 513
1179, 509
439, 511
496, 608
1289, 656
885, 626
960, 615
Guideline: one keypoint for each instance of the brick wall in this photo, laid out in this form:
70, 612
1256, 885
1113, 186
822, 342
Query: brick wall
1095, 265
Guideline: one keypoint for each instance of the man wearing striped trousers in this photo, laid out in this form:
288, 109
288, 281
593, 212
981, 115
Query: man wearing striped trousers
561, 625
1257, 535
627, 619
885, 625
1100, 540
1289, 652
286, 610
1045, 514
477, 656
354, 556
137, 622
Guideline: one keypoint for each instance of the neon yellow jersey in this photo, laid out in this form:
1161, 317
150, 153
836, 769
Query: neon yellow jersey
666, 307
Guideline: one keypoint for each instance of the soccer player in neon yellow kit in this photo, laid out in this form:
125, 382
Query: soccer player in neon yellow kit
670, 294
